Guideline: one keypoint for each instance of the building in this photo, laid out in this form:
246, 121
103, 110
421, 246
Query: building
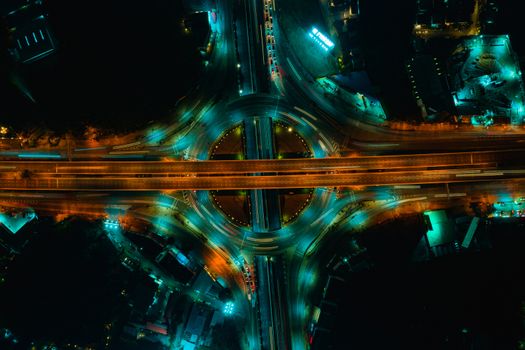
30, 36
173, 263
325, 315
486, 81
14, 220
447, 18
441, 234
352, 89
197, 329
205, 285
157, 309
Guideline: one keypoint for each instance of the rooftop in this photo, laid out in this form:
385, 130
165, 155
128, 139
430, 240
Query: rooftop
30, 34
15, 221
440, 228
486, 79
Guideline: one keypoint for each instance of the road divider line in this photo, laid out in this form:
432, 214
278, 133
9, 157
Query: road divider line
90, 149
480, 174
304, 112
127, 145
129, 152
322, 217
311, 125
446, 195
407, 187
293, 69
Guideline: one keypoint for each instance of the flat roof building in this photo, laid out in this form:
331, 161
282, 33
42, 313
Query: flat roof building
13, 221
196, 330
30, 36
486, 80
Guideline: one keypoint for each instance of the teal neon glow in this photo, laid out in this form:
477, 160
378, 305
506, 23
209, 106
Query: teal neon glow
509, 208
15, 222
307, 278
38, 155
156, 135
111, 224
490, 71
321, 39
441, 230
229, 308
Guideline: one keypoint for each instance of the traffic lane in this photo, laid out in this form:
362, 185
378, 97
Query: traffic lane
257, 182
263, 170
273, 165
432, 141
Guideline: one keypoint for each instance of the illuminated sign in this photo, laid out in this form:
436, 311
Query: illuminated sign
321, 39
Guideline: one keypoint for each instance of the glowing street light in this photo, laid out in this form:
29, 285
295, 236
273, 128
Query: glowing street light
228, 308
111, 224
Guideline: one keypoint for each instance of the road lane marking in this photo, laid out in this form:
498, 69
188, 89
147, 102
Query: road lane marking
407, 187
481, 174
304, 112
322, 217
445, 195
293, 69
127, 145
311, 125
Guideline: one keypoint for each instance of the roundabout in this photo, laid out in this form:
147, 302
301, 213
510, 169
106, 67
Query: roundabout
236, 204
220, 135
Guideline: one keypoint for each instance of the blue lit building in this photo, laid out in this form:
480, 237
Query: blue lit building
197, 328
486, 81
30, 36
13, 221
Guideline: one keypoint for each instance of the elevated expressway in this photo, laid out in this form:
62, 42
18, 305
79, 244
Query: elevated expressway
271, 174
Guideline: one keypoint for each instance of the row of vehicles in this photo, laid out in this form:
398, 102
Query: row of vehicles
270, 39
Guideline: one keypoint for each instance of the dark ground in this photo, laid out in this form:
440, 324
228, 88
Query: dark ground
64, 287
119, 64
386, 37
510, 21
470, 301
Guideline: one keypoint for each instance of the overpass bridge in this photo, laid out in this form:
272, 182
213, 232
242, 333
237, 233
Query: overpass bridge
301, 165
262, 174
